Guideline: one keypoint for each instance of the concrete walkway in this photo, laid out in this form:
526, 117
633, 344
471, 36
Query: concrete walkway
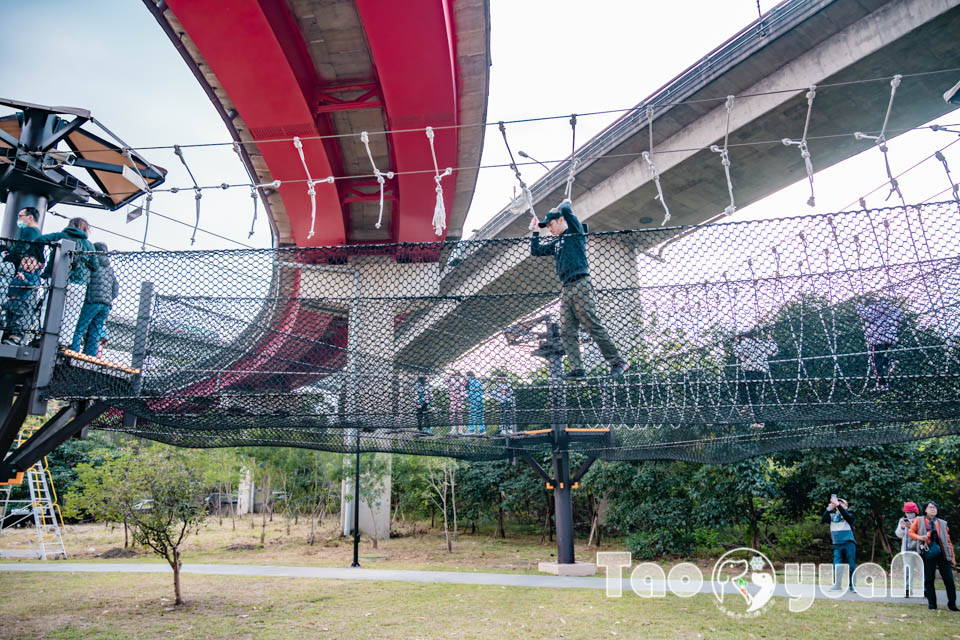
391, 575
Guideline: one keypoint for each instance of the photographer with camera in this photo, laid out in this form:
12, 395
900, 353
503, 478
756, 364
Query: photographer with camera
841, 533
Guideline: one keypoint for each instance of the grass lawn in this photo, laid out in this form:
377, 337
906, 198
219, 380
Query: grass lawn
62, 606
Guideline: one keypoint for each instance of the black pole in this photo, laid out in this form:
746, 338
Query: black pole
563, 503
49, 341
356, 507
562, 496
141, 337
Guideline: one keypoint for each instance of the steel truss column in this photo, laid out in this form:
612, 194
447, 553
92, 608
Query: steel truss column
563, 506
562, 482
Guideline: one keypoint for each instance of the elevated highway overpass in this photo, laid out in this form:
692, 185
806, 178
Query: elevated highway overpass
835, 44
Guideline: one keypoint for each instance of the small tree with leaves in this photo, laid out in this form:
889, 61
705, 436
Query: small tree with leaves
440, 476
94, 495
176, 488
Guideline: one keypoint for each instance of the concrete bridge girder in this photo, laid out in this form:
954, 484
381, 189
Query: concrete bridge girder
612, 203
839, 42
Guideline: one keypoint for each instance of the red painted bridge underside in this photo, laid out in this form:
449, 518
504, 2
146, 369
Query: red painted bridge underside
258, 55
300, 347
260, 59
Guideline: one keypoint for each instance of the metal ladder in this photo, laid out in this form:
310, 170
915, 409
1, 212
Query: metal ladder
43, 508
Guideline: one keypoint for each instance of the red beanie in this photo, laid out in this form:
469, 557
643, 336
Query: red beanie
910, 507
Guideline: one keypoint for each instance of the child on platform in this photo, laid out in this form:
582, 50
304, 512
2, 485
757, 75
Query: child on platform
102, 289
19, 296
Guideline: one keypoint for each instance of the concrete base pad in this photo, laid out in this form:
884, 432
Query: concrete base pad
575, 569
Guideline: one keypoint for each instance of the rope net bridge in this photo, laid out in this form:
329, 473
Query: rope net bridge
743, 338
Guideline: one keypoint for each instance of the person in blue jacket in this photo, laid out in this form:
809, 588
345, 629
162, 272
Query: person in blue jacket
83, 264
475, 404
578, 304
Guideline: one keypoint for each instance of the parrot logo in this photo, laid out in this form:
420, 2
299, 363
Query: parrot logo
749, 574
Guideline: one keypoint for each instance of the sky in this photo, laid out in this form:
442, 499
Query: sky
549, 57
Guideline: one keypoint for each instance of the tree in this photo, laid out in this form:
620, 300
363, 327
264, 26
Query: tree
409, 489
440, 476
175, 486
222, 469
98, 481
159, 491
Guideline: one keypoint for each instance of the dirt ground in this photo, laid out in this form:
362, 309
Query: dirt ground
417, 546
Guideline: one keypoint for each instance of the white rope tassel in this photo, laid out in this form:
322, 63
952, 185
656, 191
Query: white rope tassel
365, 139
255, 197
146, 226
523, 203
128, 154
802, 144
954, 187
439, 211
648, 156
310, 190
725, 158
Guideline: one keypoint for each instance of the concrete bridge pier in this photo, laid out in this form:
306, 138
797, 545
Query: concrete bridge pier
379, 394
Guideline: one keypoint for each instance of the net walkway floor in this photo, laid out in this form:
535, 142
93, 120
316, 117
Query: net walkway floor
743, 338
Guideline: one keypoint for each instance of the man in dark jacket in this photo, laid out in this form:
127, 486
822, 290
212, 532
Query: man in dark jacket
578, 305
83, 265
102, 289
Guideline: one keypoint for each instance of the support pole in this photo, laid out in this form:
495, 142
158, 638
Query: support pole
12, 414
49, 343
563, 499
563, 503
356, 506
141, 339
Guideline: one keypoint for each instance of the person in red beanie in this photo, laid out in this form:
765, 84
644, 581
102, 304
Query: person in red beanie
911, 563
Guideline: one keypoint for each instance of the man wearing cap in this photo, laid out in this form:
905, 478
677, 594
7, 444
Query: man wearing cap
578, 305
28, 230
912, 563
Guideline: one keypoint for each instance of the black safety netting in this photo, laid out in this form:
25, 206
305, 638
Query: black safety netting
743, 338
